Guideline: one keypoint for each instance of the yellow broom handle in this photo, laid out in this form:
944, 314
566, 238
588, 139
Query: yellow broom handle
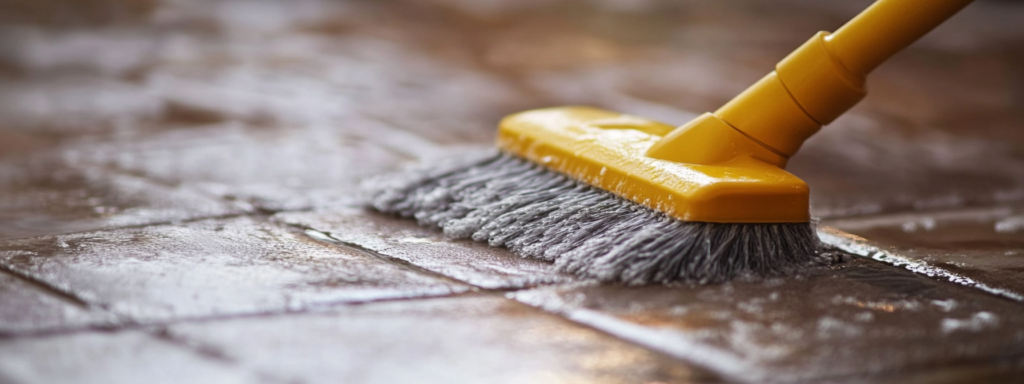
886, 27
812, 86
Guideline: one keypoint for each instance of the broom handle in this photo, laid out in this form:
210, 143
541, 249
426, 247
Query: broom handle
811, 87
886, 27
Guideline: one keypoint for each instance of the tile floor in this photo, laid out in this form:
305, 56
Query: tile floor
179, 196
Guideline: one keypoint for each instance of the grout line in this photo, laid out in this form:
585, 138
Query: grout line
137, 226
259, 213
325, 237
256, 211
313, 308
862, 248
574, 318
115, 170
229, 202
207, 351
163, 334
66, 296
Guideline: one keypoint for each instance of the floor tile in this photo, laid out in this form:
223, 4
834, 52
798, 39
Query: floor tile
866, 165
981, 247
268, 169
42, 195
210, 268
467, 339
109, 358
472, 262
26, 306
858, 318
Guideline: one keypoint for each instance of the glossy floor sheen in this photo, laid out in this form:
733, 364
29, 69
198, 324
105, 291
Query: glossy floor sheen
178, 188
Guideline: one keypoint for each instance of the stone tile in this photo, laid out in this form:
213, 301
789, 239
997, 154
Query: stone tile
29, 307
108, 358
876, 165
41, 195
210, 268
270, 169
465, 339
842, 323
471, 262
992, 371
982, 247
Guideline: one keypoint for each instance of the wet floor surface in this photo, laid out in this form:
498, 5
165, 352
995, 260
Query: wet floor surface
179, 188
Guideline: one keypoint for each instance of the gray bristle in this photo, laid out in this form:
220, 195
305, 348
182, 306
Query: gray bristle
537, 213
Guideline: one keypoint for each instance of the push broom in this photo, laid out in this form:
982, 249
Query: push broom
622, 198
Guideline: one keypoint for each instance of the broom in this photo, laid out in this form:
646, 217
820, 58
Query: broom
624, 199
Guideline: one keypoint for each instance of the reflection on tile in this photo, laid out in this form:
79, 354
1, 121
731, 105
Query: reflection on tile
466, 339
27, 307
983, 247
109, 358
41, 196
865, 164
857, 318
216, 267
427, 248
269, 169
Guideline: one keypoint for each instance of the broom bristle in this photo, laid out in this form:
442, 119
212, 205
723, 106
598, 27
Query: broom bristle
537, 213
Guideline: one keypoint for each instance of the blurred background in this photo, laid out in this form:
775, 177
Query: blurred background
284, 104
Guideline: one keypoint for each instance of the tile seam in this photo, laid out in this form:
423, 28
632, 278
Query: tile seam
863, 248
326, 238
148, 325
209, 352
64, 295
